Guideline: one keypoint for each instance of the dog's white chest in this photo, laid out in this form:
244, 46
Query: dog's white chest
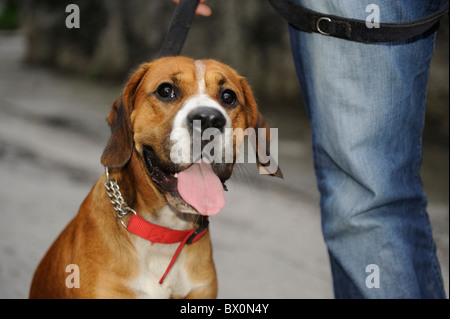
154, 260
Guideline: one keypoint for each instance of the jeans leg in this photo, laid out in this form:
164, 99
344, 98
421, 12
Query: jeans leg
366, 103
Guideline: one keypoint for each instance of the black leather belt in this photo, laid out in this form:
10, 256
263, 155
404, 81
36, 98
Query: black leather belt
355, 30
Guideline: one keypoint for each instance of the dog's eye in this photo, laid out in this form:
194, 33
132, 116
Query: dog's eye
228, 97
165, 91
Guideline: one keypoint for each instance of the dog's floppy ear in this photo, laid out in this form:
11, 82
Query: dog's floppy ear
120, 146
267, 163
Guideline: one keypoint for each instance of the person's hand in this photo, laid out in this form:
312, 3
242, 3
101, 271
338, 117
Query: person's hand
202, 9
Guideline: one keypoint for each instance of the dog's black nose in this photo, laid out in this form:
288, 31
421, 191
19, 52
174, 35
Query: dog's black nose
208, 116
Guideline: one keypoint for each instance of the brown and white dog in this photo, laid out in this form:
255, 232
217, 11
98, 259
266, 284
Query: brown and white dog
162, 97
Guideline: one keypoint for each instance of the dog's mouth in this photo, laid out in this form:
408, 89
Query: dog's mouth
192, 188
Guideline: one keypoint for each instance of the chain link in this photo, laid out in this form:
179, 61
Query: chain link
115, 197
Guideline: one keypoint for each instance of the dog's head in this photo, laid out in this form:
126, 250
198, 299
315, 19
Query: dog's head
179, 116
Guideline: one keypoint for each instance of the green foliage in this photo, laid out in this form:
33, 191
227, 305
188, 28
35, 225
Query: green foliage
9, 14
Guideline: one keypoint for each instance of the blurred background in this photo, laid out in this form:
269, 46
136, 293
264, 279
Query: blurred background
57, 85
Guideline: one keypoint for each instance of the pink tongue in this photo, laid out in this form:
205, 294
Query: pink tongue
202, 189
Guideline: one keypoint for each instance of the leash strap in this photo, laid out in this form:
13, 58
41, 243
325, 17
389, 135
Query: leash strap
355, 30
179, 28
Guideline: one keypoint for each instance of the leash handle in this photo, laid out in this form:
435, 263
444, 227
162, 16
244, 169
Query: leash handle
179, 28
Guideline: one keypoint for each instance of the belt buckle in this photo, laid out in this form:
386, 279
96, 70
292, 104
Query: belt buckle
318, 25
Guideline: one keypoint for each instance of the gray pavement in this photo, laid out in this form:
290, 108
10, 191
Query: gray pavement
267, 241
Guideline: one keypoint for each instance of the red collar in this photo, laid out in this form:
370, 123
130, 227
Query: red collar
162, 235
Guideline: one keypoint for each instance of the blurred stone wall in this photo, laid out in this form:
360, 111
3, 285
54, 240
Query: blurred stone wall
117, 35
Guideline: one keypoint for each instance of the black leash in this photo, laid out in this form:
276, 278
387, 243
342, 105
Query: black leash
355, 30
179, 28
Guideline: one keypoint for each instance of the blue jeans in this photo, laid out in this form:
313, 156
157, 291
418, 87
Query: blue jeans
366, 103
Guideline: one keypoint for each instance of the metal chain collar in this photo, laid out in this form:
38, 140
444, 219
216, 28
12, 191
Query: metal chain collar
115, 197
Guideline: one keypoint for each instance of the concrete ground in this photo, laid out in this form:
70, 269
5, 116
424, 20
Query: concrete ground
267, 241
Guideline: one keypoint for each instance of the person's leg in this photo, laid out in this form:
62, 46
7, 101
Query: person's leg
367, 107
